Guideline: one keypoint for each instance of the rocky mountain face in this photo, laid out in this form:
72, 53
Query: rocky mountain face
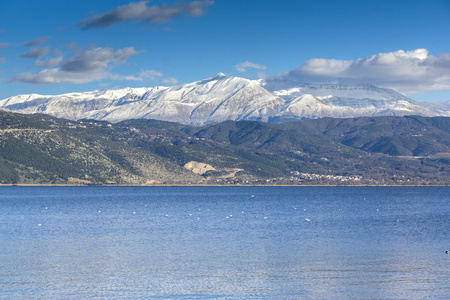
222, 98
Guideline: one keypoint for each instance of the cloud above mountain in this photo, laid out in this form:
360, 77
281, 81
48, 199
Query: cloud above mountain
403, 71
141, 12
84, 66
170, 80
242, 67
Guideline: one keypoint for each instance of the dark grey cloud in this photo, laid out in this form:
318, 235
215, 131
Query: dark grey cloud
96, 59
37, 42
2, 31
36, 53
141, 12
4, 45
85, 66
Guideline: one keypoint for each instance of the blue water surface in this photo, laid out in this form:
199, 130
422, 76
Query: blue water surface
224, 242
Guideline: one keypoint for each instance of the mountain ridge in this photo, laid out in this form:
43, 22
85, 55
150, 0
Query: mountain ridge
220, 98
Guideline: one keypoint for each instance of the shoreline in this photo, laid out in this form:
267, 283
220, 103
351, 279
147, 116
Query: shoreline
221, 185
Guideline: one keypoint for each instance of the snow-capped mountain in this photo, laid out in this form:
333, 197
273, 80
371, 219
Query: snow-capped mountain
439, 108
221, 98
345, 101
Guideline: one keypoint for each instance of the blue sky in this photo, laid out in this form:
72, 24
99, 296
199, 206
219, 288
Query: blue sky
54, 46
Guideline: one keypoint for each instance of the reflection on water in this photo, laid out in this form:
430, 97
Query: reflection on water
224, 243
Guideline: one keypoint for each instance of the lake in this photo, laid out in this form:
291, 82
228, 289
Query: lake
224, 242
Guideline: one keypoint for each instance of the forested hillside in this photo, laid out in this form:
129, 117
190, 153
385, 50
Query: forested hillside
39, 149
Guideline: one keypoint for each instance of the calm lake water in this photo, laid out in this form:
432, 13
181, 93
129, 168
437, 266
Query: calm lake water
224, 242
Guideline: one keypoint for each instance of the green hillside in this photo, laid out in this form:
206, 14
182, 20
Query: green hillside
39, 149
398, 136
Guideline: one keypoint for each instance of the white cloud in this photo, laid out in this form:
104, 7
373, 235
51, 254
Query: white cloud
85, 66
150, 75
125, 77
403, 71
55, 76
242, 67
170, 80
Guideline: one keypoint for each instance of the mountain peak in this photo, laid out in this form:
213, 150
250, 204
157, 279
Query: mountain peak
219, 75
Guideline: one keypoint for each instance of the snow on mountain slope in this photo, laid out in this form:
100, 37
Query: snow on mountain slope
349, 100
289, 88
306, 106
439, 108
215, 99
221, 98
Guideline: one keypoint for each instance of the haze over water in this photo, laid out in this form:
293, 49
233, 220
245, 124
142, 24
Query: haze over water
224, 242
